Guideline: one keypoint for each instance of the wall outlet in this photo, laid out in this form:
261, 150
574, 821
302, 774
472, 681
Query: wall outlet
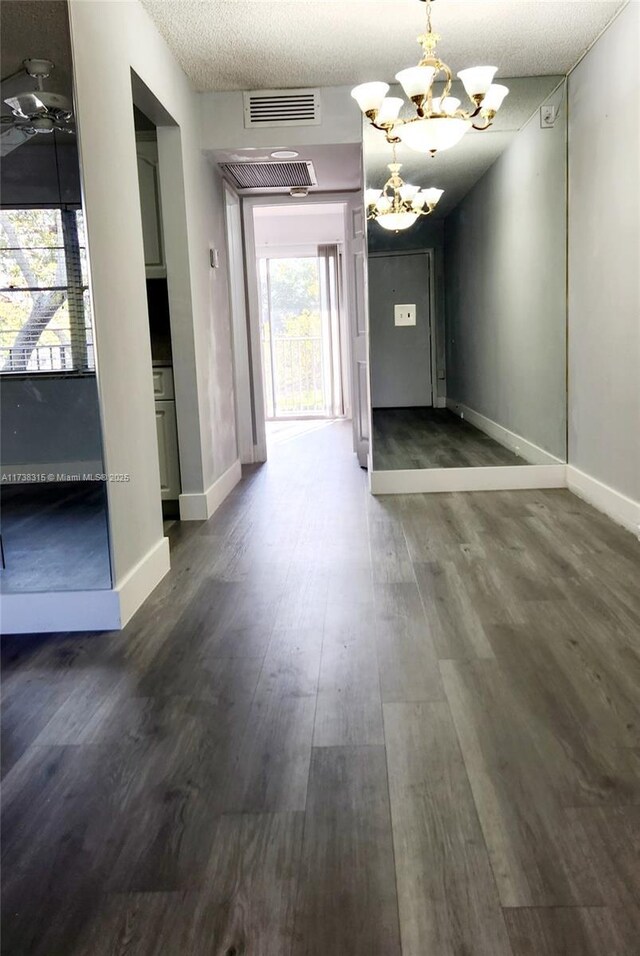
404, 314
548, 116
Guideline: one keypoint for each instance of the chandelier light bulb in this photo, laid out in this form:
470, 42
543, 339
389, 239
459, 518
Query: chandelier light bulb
371, 195
439, 122
494, 97
389, 109
447, 105
369, 96
432, 196
477, 80
416, 81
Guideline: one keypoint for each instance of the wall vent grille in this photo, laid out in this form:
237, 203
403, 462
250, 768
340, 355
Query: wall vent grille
273, 108
264, 176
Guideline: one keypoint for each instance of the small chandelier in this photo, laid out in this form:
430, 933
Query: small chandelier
440, 122
397, 205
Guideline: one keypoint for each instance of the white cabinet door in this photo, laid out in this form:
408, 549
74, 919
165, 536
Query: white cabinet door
151, 211
168, 449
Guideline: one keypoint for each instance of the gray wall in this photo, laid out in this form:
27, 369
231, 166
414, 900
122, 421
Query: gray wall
604, 259
49, 421
400, 355
427, 233
505, 282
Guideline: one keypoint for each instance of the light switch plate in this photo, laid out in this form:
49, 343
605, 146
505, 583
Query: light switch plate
404, 314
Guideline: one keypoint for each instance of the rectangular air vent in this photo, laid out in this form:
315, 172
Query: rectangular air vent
272, 108
265, 176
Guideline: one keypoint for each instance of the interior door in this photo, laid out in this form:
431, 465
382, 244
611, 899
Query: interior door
400, 353
357, 283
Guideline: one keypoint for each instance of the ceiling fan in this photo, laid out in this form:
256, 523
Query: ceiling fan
34, 111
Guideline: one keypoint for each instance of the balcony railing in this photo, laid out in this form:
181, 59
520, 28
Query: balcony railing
42, 358
293, 376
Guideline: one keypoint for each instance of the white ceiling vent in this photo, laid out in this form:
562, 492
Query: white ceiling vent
273, 108
263, 177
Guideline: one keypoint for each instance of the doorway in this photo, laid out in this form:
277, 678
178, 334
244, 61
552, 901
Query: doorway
297, 267
301, 334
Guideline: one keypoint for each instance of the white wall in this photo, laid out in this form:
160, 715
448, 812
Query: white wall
223, 122
302, 230
505, 280
604, 259
108, 40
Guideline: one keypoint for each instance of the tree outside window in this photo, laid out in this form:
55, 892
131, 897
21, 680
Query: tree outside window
45, 319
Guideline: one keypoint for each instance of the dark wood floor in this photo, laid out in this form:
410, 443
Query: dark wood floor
342, 726
432, 438
55, 537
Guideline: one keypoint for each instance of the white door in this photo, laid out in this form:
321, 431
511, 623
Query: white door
357, 280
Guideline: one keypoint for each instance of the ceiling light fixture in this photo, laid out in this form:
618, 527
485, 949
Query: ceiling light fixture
440, 122
284, 154
397, 205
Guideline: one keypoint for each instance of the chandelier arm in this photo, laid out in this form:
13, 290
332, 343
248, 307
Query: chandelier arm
481, 129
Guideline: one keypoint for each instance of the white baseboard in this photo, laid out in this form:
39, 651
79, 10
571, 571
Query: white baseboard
493, 478
618, 507
511, 440
137, 585
200, 506
108, 609
59, 611
56, 471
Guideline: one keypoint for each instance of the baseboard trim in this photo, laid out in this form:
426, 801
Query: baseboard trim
57, 471
531, 453
440, 402
200, 506
621, 509
137, 585
47, 612
493, 478
55, 612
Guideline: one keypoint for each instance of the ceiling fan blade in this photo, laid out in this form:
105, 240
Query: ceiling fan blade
25, 104
10, 139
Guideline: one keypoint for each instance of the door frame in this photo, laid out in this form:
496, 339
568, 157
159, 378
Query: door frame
249, 203
433, 333
239, 331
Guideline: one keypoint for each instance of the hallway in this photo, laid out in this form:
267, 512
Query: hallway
341, 726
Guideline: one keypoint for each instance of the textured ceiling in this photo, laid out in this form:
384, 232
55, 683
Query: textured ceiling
457, 170
263, 44
36, 28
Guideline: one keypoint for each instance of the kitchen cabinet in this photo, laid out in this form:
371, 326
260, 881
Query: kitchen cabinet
149, 182
167, 431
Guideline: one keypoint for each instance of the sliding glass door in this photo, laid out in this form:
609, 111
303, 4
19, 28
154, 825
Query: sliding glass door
300, 326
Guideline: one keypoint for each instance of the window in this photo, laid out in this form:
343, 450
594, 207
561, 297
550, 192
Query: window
45, 310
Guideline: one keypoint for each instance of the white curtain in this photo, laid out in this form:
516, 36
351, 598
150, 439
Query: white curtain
330, 271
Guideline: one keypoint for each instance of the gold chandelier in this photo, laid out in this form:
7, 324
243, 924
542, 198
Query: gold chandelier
397, 205
440, 122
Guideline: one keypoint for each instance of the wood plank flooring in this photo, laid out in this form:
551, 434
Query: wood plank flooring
341, 726
432, 438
